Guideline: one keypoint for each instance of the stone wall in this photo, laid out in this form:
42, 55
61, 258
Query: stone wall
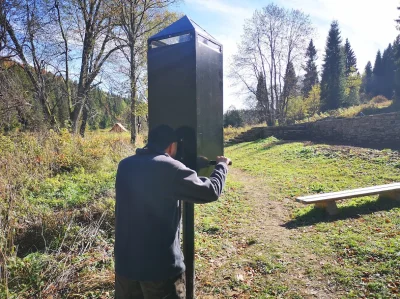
376, 131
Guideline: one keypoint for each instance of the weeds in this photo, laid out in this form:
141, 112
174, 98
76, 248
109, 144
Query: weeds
56, 221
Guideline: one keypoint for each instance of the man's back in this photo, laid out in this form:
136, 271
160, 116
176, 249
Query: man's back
149, 187
147, 218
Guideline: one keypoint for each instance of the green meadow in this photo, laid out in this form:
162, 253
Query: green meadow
256, 241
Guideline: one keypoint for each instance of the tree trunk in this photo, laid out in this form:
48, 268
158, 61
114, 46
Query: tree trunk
133, 97
84, 121
76, 113
139, 124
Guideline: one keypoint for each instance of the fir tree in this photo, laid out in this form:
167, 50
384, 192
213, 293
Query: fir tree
290, 82
396, 46
388, 72
378, 69
263, 104
311, 75
333, 73
396, 54
367, 79
351, 60
377, 75
289, 91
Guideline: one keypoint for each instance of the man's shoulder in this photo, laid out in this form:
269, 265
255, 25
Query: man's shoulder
158, 159
127, 160
165, 159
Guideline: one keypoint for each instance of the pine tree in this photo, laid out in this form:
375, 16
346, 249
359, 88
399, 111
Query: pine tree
388, 72
396, 46
367, 79
289, 91
290, 82
377, 71
311, 76
351, 60
333, 73
377, 74
263, 104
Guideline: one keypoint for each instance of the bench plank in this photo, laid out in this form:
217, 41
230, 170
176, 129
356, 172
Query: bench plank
332, 196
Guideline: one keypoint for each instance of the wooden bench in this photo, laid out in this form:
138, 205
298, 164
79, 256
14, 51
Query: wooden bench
328, 200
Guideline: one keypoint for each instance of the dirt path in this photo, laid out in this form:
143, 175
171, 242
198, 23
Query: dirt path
268, 218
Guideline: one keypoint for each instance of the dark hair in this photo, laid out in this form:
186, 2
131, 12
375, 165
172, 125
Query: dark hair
161, 137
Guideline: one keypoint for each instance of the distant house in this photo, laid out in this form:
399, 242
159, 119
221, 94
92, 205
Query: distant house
118, 128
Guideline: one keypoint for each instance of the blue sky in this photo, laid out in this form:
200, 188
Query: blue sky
368, 24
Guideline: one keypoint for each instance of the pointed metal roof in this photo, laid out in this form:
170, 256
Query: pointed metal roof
184, 24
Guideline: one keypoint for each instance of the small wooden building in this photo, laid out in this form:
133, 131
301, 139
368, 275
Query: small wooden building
119, 128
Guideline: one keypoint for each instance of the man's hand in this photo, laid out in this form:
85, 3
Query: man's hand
224, 160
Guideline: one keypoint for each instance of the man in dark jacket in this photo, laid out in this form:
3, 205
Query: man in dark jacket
149, 188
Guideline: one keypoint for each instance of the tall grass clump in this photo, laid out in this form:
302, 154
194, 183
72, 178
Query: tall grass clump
377, 105
56, 192
232, 132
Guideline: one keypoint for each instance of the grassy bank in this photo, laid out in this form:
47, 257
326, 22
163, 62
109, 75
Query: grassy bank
57, 202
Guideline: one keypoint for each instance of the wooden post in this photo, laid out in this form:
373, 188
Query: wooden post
395, 195
329, 206
188, 247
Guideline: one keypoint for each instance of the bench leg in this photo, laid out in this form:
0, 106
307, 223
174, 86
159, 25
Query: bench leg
391, 195
329, 206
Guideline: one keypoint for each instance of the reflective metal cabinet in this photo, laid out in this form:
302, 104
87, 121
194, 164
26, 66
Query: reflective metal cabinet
186, 92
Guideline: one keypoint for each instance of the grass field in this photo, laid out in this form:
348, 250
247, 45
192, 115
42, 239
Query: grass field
264, 245
255, 242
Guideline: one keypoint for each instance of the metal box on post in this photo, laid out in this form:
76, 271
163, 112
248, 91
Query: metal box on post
186, 92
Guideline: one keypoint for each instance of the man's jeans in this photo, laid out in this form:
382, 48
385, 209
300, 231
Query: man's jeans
173, 288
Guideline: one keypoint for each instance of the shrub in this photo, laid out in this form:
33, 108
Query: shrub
43, 172
233, 118
379, 100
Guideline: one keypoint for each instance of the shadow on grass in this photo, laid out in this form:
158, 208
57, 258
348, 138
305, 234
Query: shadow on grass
317, 215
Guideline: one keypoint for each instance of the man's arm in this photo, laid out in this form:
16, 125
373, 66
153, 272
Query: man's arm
191, 188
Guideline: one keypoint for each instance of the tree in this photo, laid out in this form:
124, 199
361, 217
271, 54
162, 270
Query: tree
3, 31
367, 79
388, 72
25, 23
311, 75
377, 75
289, 91
313, 101
396, 48
233, 118
333, 73
138, 19
272, 38
352, 90
263, 104
350, 59
353, 79
396, 45
95, 25
14, 108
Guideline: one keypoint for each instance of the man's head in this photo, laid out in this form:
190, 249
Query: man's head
163, 138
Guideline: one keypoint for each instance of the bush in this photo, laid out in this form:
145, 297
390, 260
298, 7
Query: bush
296, 110
379, 100
50, 176
233, 118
